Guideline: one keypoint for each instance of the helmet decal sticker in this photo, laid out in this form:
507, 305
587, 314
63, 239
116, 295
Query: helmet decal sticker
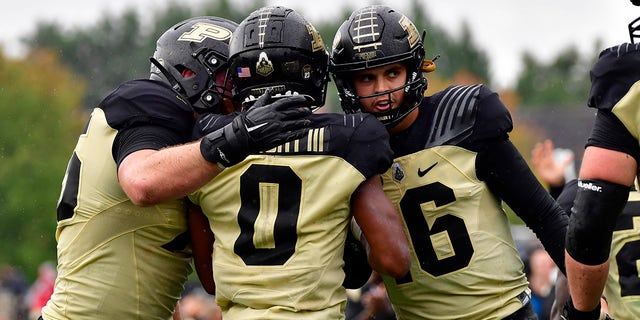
413, 37
201, 31
244, 72
306, 71
264, 67
316, 41
398, 172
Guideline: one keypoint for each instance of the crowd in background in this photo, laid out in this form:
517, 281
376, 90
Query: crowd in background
21, 300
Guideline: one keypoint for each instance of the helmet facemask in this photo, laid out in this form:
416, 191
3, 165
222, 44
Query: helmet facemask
217, 96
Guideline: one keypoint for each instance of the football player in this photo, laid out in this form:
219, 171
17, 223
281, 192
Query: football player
622, 296
280, 218
608, 170
453, 167
117, 260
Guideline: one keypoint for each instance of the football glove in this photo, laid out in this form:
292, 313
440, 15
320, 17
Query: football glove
262, 127
569, 312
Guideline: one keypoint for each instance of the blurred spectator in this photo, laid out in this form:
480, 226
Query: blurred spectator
41, 290
12, 289
541, 272
197, 304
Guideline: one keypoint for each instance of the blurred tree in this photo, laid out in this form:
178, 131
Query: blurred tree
104, 54
117, 48
564, 81
40, 118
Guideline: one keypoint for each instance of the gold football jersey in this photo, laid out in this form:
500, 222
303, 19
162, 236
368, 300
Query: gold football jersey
285, 221
627, 110
115, 260
465, 264
280, 220
623, 285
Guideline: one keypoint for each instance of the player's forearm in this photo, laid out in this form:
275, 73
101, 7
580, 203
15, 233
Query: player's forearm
382, 229
150, 177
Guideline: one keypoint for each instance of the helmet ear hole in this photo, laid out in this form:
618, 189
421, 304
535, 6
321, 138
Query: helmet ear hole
187, 73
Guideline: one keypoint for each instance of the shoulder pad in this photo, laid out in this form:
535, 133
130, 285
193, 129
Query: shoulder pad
455, 115
616, 70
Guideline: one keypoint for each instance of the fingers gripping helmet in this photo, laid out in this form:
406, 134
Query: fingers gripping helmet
371, 37
275, 47
192, 57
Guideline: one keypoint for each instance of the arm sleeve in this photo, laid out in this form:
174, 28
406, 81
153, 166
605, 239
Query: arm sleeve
609, 133
508, 176
565, 199
143, 137
555, 191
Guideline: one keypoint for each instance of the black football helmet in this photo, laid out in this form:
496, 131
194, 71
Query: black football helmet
276, 48
375, 36
192, 57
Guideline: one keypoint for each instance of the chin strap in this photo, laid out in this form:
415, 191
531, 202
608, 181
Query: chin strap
172, 80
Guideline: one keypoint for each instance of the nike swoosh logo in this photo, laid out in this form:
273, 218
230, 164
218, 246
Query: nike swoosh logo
421, 173
249, 129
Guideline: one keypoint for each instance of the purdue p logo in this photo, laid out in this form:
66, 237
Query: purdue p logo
201, 30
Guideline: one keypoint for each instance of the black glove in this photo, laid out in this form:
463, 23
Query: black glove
357, 270
569, 312
262, 127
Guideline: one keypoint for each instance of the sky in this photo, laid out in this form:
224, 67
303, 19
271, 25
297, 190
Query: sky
505, 29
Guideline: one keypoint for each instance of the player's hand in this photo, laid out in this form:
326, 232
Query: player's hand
547, 168
263, 126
